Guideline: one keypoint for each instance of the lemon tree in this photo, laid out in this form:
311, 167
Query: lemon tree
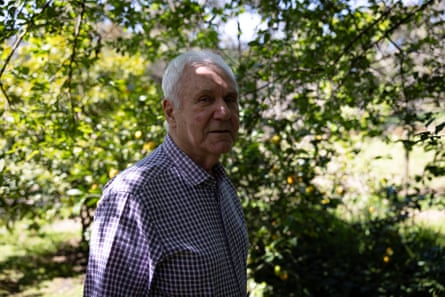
80, 100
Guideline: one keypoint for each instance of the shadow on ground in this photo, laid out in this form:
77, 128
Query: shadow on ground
19, 273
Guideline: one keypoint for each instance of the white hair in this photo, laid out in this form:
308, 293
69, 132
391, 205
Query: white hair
171, 86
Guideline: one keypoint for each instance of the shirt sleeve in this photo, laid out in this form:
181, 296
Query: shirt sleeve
124, 249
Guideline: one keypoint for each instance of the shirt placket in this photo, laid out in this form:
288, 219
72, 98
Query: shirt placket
224, 215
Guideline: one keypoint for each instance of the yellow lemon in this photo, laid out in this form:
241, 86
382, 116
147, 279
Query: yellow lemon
290, 180
340, 190
284, 275
277, 270
149, 146
113, 172
276, 139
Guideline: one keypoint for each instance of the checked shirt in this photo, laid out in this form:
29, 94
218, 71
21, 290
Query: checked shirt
165, 227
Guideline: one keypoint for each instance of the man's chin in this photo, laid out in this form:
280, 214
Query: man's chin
222, 147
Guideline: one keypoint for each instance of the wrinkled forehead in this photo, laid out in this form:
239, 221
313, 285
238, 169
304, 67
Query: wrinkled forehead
210, 71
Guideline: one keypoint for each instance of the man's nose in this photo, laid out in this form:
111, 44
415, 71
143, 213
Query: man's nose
222, 111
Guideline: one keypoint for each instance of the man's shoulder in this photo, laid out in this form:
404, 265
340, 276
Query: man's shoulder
142, 174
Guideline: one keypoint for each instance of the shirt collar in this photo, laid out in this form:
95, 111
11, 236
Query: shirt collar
187, 168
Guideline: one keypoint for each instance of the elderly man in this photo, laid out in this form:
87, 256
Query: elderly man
172, 224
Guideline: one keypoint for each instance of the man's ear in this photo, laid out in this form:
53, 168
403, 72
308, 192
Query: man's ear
169, 109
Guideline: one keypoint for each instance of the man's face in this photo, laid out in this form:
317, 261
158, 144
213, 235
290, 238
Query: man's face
206, 123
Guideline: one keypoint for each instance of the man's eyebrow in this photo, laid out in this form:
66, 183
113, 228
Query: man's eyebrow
233, 93
204, 92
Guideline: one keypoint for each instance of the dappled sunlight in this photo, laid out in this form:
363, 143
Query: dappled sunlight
35, 262
340, 159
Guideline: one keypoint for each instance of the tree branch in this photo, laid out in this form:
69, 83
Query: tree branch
386, 34
8, 101
72, 60
14, 49
390, 30
402, 21
361, 33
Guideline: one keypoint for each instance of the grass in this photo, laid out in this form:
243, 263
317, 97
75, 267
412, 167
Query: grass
377, 166
47, 262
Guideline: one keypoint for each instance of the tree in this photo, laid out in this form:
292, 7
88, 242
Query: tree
81, 101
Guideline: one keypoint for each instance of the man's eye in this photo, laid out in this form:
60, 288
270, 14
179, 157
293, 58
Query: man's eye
230, 99
204, 99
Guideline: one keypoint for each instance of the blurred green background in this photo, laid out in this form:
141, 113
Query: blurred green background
340, 163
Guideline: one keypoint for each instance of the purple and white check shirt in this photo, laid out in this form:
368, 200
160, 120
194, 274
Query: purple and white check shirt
165, 227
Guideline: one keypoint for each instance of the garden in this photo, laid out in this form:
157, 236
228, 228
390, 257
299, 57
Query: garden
340, 161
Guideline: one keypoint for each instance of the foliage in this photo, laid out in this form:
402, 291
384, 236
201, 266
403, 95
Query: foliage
81, 101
